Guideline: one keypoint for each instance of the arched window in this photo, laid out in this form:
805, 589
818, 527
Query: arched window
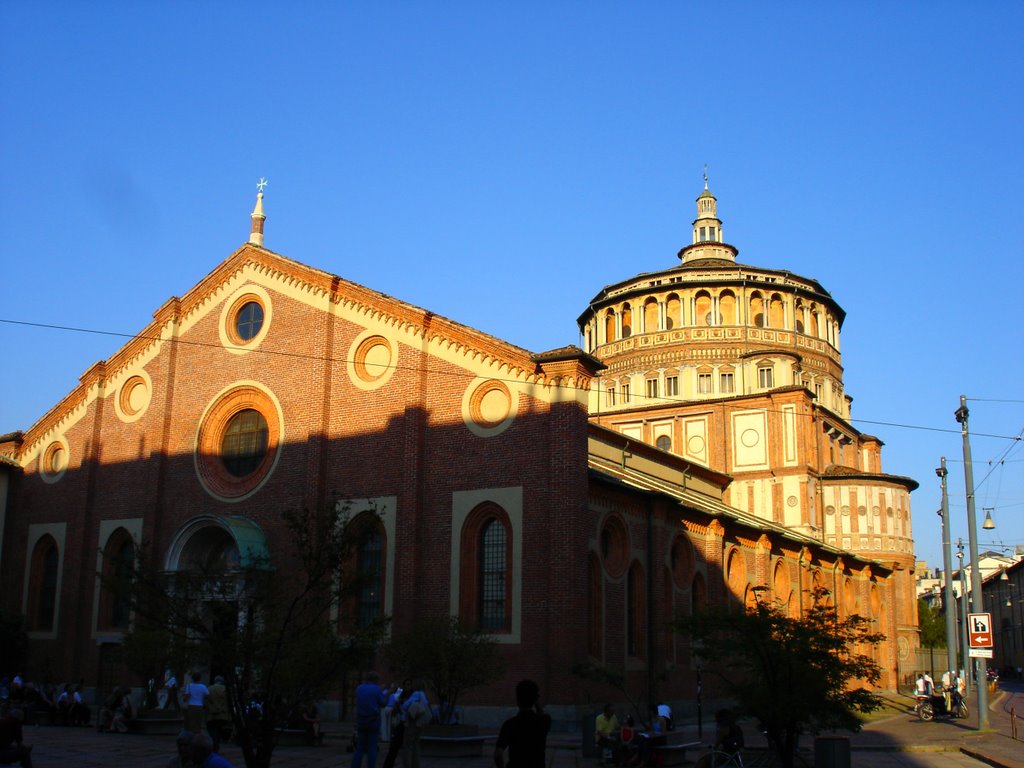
650, 316
636, 613
43, 585
485, 598
245, 442
702, 309
698, 594
609, 326
673, 312
627, 321
757, 309
727, 307
365, 565
778, 312
118, 565
595, 618
370, 570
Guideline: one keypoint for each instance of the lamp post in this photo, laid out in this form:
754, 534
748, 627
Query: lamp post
947, 572
961, 415
964, 648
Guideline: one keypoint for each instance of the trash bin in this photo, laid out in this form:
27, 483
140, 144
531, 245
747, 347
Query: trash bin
832, 752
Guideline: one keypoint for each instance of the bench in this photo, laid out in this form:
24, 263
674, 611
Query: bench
673, 753
432, 745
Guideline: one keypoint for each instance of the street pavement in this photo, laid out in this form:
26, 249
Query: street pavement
898, 741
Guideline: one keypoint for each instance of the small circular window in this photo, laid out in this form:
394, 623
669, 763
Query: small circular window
245, 318
664, 443
489, 407
249, 321
134, 397
54, 461
245, 443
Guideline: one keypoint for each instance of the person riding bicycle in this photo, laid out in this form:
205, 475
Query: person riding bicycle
729, 735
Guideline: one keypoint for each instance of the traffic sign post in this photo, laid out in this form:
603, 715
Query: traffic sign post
979, 630
979, 633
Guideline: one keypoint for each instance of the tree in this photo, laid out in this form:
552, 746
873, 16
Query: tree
13, 641
794, 675
932, 625
270, 628
449, 657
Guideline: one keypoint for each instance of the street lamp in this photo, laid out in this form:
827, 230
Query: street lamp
989, 523
947, 572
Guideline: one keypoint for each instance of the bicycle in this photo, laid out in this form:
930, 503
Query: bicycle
744, 758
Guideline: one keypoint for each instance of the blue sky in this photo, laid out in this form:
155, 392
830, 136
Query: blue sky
498, 163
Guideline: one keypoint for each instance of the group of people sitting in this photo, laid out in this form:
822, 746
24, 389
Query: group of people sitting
626, 744
43, 703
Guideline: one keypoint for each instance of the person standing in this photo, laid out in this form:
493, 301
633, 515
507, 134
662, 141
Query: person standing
195, 704
217, 714
370, 698
416, 712
525, 734
397, 725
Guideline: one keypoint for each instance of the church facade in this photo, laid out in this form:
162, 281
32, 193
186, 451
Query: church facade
559, 500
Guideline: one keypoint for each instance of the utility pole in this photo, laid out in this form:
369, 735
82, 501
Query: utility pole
977, 599
964, 648
947, 573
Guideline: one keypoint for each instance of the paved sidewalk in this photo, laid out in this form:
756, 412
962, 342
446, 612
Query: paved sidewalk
899, 741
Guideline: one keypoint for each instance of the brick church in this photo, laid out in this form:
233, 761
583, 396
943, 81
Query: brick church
570, 502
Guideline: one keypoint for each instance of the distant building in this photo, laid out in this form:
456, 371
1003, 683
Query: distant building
570, 502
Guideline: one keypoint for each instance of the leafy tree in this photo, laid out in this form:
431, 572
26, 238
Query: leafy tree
932, 625
450, 657
794, 675
614, 678
270, 631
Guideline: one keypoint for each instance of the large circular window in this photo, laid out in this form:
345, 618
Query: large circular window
244, 445
239, 441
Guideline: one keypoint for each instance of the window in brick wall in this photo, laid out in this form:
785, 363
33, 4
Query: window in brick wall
42, 603
652, 389
726, 383
118, 564
625, 393
611, 396
704, 383
595, 618
671, 386
765, 377
636, 638
486, 576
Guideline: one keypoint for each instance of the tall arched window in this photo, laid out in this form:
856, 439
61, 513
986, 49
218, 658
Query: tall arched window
493, 564
650, 316
636, 613
595, 618
365, 565
485, 599
370, 570
43, 585
118, 564
609, 326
